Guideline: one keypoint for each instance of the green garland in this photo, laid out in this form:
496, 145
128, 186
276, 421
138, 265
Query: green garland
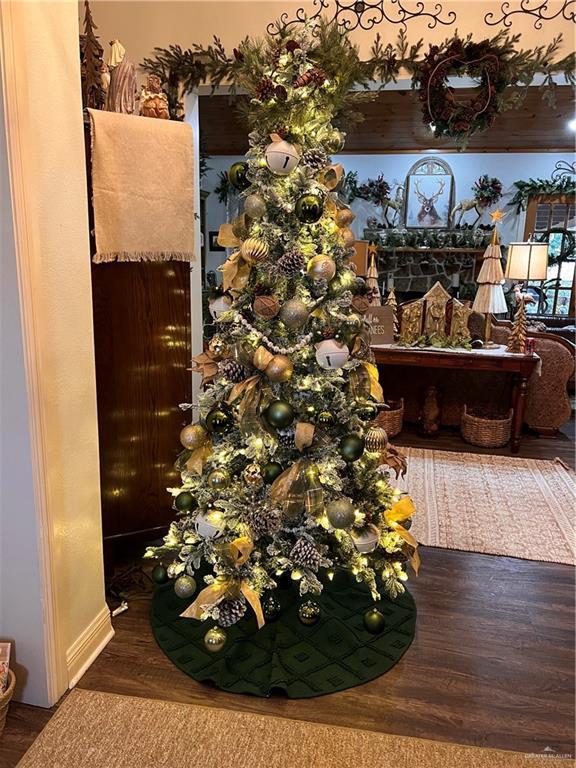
534, 187
183, 70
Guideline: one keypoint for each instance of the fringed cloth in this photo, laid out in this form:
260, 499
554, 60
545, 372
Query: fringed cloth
142, 188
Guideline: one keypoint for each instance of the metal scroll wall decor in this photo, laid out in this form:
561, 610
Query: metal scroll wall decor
539, 10
366, 14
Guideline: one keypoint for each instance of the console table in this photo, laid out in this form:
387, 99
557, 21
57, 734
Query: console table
492, 360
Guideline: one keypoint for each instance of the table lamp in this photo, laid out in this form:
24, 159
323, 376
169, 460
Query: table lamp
526, 261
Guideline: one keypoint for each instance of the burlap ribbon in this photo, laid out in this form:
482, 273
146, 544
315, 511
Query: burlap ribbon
363, 382
398, 512
236, 553
298, 490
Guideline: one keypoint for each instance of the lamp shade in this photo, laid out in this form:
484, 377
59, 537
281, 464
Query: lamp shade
527, 261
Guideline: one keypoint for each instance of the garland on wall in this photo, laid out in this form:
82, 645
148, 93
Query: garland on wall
564, 185
503, 71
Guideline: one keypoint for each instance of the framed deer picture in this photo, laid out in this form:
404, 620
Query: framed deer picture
429, 194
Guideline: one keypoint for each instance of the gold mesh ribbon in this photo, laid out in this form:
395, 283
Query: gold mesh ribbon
397, 513
298, 490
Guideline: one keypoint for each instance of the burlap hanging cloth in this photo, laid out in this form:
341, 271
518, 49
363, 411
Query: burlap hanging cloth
142, 188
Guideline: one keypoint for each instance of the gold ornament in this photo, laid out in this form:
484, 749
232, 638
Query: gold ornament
321, 267
193, 436
255, 206
376, 439
348, 237
344, 217
217, 348
215, 639
279, 369
254, 250
252, 475
294, 313
218, 479
266, 307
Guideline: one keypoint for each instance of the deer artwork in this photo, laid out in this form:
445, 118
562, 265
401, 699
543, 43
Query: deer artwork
468, 205
396, 205
428, 204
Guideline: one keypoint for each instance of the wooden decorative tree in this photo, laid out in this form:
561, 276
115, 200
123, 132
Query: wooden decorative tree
92, 58
372, 278
490, 297
392, 302
517, 340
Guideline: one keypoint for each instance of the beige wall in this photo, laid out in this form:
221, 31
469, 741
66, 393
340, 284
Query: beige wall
48, 183
143, 24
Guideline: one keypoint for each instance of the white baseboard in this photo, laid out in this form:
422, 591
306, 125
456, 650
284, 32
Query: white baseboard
83, 652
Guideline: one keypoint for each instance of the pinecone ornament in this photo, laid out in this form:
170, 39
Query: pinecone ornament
230, 611
286, 438
262, 522
305, 554
314, 76
315, 158
232, 370
265, 89
291, 262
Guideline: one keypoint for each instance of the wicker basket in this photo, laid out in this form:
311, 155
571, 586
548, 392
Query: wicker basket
5, 699
487, 432
391, 419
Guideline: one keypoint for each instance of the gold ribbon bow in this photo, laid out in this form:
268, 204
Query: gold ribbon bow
397, 513
298, 489
198, 457
363, 382
224, 587
237, 552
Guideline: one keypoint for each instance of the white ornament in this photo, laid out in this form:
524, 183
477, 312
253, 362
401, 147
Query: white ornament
209, 524
282, 157
331, 354
366, 540
219, 305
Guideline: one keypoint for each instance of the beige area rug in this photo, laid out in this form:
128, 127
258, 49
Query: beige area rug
498, 505
102, 730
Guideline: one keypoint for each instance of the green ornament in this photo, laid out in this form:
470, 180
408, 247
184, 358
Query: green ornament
237, 176
185, 502
351, 447
365, 410
271, 608
310, 410
309, 612
326, 418
334, 142
219, 421
271, 471
218, 479
340, 513
374, 621
160, 575
309, 208
255, 206
215, 639
279, 414
185, 586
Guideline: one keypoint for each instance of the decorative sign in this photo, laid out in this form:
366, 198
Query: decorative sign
381, 321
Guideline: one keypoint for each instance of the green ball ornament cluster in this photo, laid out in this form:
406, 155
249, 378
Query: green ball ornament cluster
215, 640
219, 421
185, 502
184, 586
237, 176
340, 513
374, 621
279, 414
309, 612
271, 471
309, 208
351, 447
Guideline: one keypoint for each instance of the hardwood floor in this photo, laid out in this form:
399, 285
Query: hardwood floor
492, 663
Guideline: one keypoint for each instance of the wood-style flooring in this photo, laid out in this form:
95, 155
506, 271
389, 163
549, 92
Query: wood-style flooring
492, 663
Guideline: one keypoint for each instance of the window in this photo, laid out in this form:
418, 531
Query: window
552, 219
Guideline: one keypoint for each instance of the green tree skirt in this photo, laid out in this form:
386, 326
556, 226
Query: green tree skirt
285, 655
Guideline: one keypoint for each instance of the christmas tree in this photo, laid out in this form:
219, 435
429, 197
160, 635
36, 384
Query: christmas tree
281, 473
490, 297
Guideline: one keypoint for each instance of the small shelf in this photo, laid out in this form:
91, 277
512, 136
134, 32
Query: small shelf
407, 249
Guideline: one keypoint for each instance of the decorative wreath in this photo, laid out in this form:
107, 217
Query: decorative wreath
483, 62
488, 190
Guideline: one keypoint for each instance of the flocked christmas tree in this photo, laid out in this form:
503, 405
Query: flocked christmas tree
281, 473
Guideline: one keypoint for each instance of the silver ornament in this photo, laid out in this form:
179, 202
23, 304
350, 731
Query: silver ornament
254, 206
185, 586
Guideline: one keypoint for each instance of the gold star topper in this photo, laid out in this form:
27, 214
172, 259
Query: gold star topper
498, 215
